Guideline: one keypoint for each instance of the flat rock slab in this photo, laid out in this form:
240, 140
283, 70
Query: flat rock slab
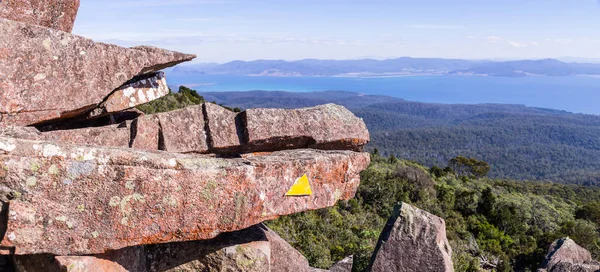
412, 240
57, 14
140, 91
47, 74
327, 126
210, 128
72, 200
256, 249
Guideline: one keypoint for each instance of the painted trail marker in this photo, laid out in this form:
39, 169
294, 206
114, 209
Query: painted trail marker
301, 187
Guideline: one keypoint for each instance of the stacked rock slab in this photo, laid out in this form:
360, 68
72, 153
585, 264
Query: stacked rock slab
47, 74
57, 14
210, 128
87, 183
412, 240
564, 255
255, 249
69, 199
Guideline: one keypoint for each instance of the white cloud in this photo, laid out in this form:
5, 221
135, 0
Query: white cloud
429, 26
163, 3
494, 39
518, 44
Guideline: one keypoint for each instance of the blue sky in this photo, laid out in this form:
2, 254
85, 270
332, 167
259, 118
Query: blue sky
225, 30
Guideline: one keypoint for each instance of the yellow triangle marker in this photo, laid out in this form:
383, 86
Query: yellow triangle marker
300, 188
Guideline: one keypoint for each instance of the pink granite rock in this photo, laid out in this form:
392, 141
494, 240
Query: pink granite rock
564, 255
255, 249
222, 129
323, 127
57, 14
48, 75
412, 240
71, 200
139, 91
182, 131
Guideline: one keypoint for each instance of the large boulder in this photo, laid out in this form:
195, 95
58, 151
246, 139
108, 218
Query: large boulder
412, 240
564, 255
256, 249
68, 200
57, 14
47, 75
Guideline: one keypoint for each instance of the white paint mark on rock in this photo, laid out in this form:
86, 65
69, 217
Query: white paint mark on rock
12, 236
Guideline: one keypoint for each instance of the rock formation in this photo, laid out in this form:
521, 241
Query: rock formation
210, 128
88, 183
564, 255
57, 14
412, 240
47, 75
256, 249
69, 199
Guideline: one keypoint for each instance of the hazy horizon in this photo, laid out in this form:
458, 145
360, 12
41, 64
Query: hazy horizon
225, 30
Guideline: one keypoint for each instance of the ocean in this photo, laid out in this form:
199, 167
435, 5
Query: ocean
578, 94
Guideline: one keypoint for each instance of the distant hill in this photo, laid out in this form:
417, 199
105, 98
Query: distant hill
519, 142
547, 67
393, 67
314, 67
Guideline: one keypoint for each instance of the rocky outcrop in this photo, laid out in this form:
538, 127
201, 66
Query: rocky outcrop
88, 183
412, 240
564, 255
47, 75
210, 128
344, 265
57, 14
136, 92
324, 127
256, 249
70, 199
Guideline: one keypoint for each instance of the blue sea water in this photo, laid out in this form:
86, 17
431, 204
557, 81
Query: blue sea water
579, 94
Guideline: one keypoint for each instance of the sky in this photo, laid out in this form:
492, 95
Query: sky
226, 30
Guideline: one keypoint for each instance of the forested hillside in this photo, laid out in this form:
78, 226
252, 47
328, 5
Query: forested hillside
519, 142
492, 224
496, 225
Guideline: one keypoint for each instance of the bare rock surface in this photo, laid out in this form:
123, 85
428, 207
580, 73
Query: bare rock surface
47, 74
182, 130
224, 134
72, 200
56, 14
203, 129
139, 91
564, 255
255, 249
344, 265
412, 240
327, 126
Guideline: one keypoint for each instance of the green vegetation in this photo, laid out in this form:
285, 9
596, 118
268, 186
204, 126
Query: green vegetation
173, 101
497, 225
518, 142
